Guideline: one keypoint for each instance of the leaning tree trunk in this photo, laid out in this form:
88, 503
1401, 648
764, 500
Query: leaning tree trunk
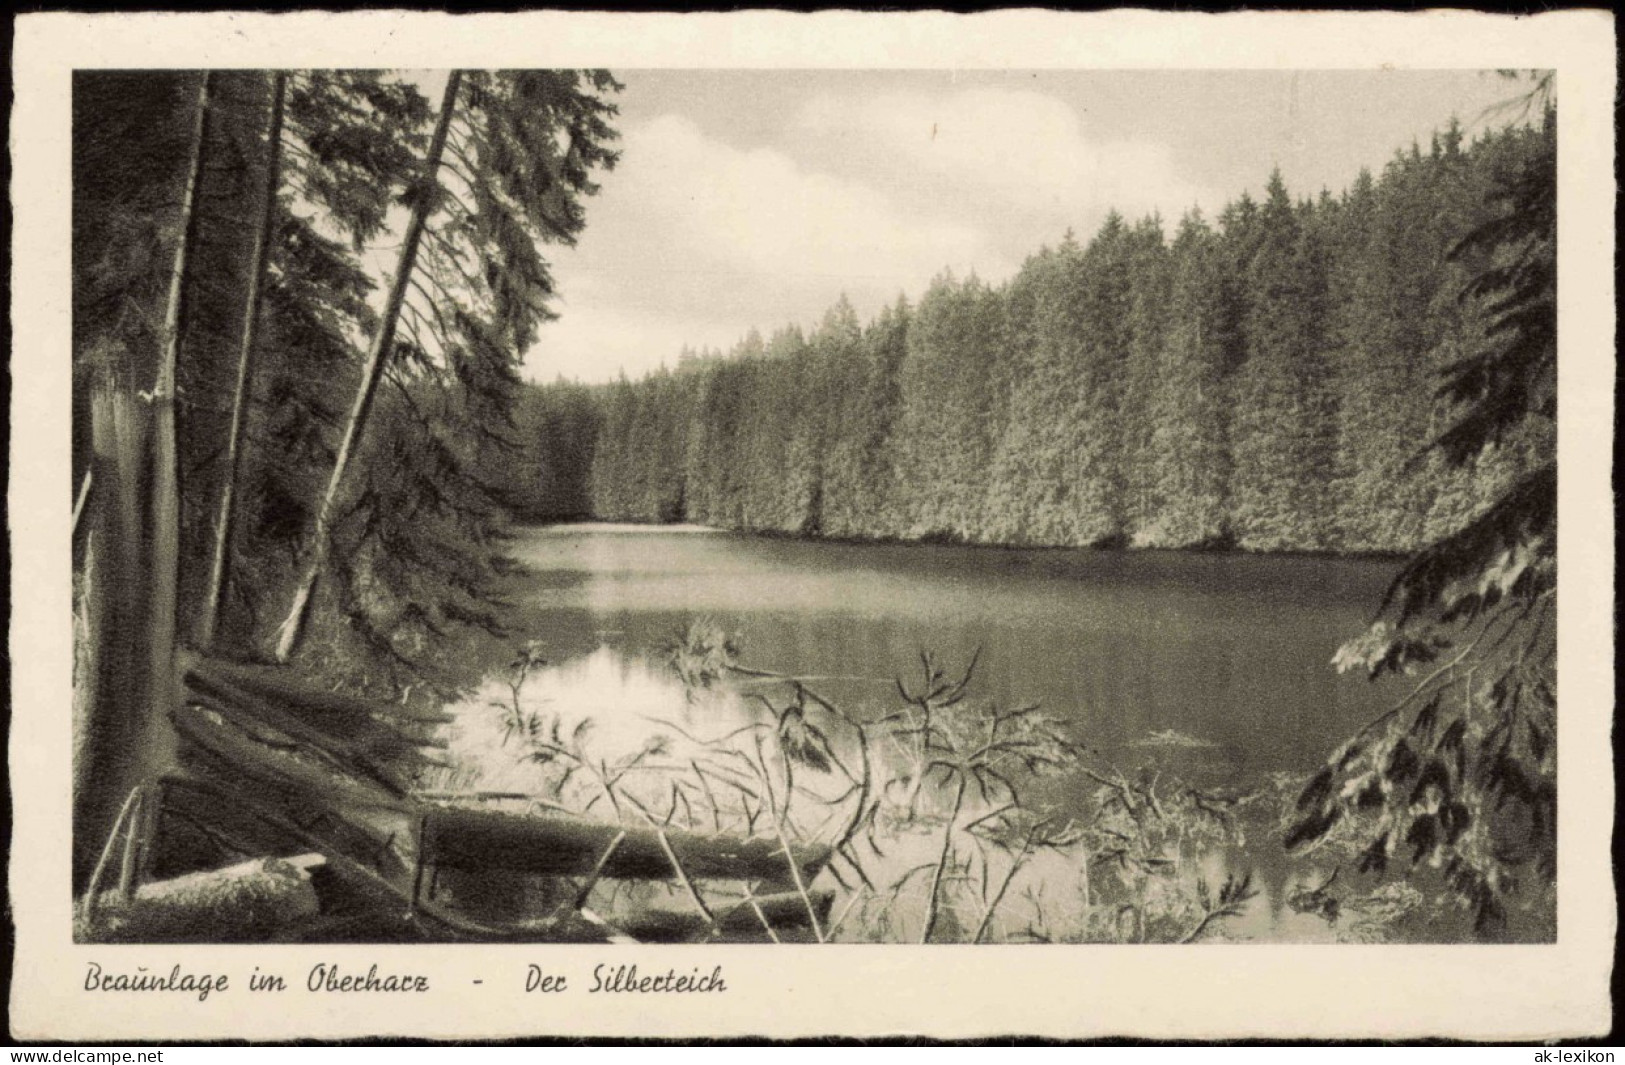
166, 498
219, 570
130, 586
164, 559
377, 358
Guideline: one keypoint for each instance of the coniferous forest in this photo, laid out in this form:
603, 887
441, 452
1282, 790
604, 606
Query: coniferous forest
1264, 380
310, 447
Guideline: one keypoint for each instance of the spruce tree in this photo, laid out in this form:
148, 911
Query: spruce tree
1188, 460
943, 437
263, 237
1284, 428
512, 158
1150, 293
1025, 494
1461, 774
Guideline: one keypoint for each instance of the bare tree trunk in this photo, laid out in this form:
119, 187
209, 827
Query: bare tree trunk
164, 560
219, 570
129, 595
113, 680
288, 634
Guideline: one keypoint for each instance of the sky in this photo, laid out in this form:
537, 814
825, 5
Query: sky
758, 198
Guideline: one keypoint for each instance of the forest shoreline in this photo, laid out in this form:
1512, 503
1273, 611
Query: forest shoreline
938, 540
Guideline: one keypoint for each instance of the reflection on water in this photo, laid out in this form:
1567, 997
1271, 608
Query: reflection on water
1211, 667
620, 697
1231, 650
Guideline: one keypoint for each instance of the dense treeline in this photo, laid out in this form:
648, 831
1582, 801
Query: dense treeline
1264, 380
279, 463
408, 549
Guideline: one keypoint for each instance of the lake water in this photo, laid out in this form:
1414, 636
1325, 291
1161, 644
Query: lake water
1213, 666
1230, 650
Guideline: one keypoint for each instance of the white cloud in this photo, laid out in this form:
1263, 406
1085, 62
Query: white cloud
605, 339
693, 241
1024, 152
759, 212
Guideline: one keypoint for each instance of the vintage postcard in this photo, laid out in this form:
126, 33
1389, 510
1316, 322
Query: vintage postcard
790, 525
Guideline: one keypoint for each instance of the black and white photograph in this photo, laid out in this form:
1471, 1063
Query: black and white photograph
801, 506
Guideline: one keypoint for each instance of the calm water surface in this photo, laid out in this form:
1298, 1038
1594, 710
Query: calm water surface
1229, 655
1230, 650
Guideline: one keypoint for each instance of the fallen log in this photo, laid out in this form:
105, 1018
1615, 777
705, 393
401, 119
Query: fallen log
781, 912
337, 709
253, 715
374, 886
245, 903
267, 756
367, 734
550, 846
248, 819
